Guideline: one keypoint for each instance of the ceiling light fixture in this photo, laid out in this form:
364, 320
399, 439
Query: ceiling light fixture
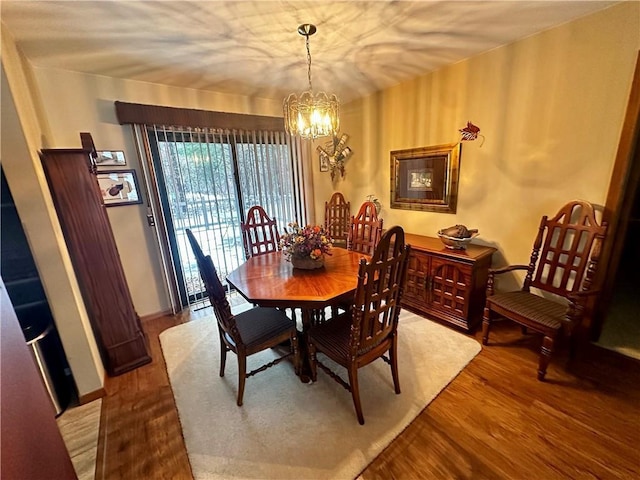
311, 116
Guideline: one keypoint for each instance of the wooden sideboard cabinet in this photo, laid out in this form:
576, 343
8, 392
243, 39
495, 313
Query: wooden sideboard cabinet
447, 284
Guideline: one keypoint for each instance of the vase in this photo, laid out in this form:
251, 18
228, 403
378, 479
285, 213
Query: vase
307, 263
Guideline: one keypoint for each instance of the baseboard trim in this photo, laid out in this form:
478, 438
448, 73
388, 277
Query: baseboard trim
154, 316
91, 396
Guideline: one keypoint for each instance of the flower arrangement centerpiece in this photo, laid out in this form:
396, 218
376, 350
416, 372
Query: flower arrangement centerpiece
305, 247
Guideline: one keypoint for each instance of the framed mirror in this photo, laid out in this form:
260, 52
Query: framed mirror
426, 178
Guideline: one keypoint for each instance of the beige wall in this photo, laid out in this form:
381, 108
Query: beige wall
75, 102
55, 107
550, 107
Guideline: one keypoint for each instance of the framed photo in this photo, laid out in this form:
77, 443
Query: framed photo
426, 178
324, 163
110, 158
119, 187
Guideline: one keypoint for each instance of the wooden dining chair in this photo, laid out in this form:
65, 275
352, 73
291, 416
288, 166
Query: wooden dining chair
337, 216
365, 229
259, 233
368, 329
248, 332
562, 268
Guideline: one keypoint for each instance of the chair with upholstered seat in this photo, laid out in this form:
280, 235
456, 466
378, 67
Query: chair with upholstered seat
363, 236
337, 215
368, 329
365, 229
259, 233
562, 268
248, 332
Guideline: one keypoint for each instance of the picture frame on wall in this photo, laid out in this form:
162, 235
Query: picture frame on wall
426, 178
110, 158
119, 187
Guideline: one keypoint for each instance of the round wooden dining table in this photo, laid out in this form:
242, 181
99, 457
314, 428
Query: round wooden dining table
270, 280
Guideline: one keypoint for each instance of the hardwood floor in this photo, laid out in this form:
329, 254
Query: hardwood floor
79, 427
495, 420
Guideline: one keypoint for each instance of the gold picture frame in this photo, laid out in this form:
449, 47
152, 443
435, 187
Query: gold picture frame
426, 178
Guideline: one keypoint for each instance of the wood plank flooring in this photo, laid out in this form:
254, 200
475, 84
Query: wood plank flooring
79, 427
495, 420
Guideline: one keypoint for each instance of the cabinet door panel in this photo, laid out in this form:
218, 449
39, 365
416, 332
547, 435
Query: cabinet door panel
416, 287
449, 287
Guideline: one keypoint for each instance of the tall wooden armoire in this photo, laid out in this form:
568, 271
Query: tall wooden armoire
92, 247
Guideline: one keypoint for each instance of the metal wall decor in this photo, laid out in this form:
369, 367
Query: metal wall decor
334, 155
470, 133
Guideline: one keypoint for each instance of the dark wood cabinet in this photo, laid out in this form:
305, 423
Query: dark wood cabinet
74, 187
446, 284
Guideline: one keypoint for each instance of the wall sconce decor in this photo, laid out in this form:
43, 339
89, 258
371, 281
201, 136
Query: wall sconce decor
335, 155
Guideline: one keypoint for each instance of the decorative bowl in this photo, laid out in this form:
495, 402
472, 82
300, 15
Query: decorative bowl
307, 263
456, 243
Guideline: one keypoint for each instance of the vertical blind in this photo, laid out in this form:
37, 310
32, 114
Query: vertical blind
206, 179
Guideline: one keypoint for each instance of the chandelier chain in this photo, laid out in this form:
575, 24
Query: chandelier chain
309, 63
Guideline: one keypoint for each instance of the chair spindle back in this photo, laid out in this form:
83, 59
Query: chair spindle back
566, 250
380, 287
337, 215
365, 229
259, 233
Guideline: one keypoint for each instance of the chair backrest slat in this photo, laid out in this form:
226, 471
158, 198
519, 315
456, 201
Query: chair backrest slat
337, 215
566, 250
365, 229
259, 233
379, 292
214, 288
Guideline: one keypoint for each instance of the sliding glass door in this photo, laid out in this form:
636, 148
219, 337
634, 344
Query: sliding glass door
207, 179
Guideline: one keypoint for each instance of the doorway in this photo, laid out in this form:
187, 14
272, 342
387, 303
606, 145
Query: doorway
26, 292
621, 327
616, 323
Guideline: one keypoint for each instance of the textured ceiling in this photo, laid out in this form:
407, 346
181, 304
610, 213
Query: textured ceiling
253, 48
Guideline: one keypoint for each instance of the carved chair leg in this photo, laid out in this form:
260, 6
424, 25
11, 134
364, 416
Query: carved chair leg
242, 376
393, 356
486, 325
223, 355
355, 392
545, 356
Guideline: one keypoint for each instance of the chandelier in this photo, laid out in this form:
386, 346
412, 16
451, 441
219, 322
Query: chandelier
309, 115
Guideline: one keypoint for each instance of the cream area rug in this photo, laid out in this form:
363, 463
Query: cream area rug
287, 429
